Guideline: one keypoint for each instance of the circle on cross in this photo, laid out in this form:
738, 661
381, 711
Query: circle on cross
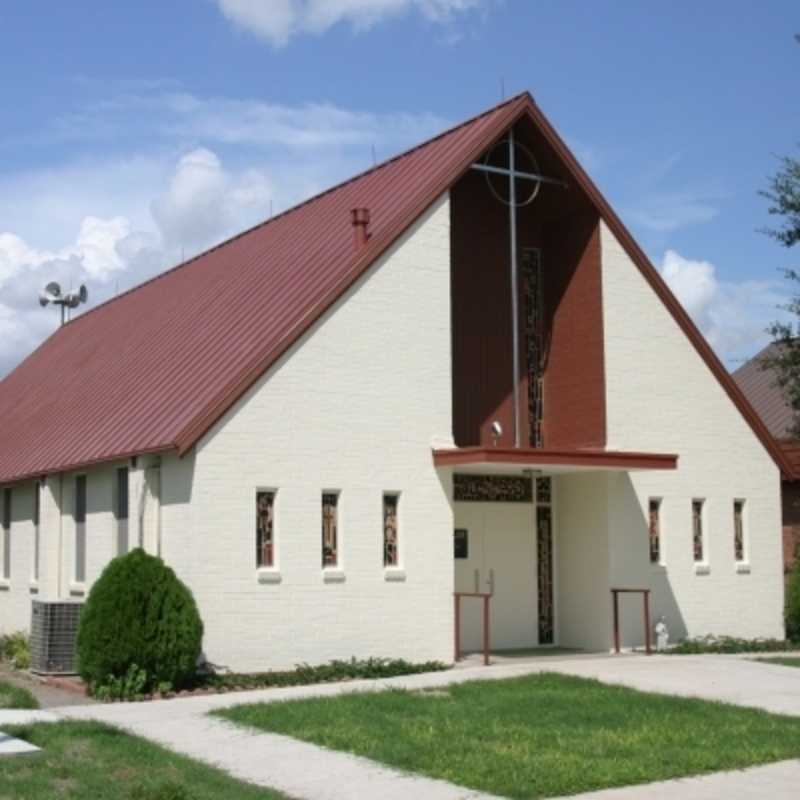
500, 168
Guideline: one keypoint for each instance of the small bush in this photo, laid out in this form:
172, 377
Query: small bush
730, 644
333, 671
130, 686
792, 612
139, 628
15, 648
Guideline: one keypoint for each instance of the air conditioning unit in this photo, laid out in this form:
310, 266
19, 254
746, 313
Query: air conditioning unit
54, 629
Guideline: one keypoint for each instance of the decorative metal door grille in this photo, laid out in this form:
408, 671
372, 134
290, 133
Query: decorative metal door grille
265, 529
330, 553
544, 560
492, 488
655, 532
544, 565
390, 551
534, 340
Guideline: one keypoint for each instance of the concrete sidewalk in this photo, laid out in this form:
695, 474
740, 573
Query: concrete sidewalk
302, 770
771, 782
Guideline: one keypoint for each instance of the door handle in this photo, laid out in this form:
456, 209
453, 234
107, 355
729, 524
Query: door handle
491, 581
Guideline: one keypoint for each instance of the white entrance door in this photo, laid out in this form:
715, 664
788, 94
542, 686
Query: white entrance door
500, 558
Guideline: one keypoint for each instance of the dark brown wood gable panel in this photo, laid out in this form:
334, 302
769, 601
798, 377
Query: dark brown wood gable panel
574, 377
481, 313
564, 227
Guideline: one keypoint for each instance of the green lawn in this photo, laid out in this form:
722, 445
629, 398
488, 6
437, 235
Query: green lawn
787, 661
90, 760
15, 697
536, 736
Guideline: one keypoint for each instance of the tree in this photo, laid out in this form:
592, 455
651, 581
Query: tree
783, 360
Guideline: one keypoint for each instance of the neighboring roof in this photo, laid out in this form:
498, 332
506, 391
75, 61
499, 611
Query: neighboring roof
153, 369
536, 457
758, 385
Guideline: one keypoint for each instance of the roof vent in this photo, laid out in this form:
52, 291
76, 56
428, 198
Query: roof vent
360, 219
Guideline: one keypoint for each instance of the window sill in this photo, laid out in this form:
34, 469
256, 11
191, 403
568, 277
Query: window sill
333, 575
268, 575
34, 587
394, 574
702, 569
743, 568
5, 584
658, 569
77, 589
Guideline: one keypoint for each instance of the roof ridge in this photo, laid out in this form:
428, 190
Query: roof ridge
300, 204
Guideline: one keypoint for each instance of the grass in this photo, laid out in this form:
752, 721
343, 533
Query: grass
15, 697
784, 662
90, 760
535, 736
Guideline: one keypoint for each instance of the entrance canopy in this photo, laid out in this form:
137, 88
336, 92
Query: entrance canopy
499, 459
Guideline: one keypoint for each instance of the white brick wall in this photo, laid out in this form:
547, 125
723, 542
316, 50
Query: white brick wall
662, 397
581, 563
353, 407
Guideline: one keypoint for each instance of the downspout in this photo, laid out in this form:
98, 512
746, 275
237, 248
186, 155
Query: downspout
141, 504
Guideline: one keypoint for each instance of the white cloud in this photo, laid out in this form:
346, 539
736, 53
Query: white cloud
669, 212
180, 174
103, 250
203, 202
277, 21
732, 315
184, 117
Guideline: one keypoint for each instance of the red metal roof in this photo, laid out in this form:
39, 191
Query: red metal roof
154, 368
758, 385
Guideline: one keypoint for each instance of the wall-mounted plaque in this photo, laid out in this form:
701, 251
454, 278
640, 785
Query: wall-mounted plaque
461, 543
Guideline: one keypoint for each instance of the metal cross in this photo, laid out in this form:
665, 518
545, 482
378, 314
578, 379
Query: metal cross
513, 174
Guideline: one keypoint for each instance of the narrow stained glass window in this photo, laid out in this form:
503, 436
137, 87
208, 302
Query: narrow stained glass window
654, 529
738, 530
265, 529
390, 531
330, 545
697, 530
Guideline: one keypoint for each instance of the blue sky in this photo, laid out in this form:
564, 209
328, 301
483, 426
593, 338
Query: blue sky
138, 133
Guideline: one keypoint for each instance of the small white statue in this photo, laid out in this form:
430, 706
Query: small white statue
662, 635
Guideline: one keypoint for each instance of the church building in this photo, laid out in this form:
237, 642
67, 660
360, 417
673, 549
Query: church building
447, 399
